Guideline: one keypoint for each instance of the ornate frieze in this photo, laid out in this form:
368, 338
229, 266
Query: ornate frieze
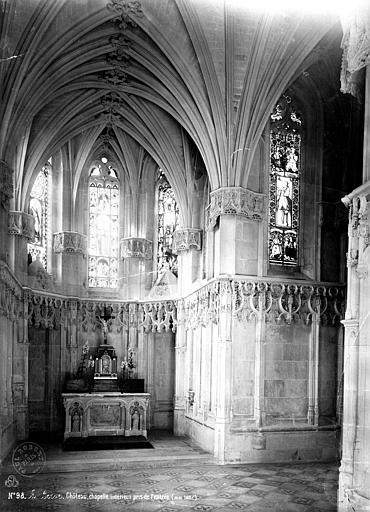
6, 184
46, 311
158, 316
22, 224
70, 242
235, 201
186, 239
90, 312
136, 248
201, 307
287, 302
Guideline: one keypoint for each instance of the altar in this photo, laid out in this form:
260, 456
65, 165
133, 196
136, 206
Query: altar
105, 414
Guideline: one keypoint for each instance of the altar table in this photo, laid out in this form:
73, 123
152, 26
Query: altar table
104, 414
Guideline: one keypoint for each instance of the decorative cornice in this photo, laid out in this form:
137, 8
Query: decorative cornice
186, 239
136, 248
6, 184
70, 242
21, 224
236, 201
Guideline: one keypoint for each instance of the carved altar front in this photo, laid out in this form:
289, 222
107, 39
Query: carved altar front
104, 414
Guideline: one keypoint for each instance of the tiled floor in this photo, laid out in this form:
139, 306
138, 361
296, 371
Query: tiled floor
174, 476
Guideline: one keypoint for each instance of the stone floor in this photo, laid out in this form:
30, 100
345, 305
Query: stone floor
176, 475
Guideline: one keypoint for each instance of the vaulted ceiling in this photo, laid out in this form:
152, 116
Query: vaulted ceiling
151, 75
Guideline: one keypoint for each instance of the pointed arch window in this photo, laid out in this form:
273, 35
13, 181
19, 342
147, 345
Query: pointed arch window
168, 218
103, 226
284, 183
39, 208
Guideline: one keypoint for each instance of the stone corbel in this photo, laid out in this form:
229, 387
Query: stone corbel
21, 224
6, 184
186, 239
133, 247
70, 242
236, 201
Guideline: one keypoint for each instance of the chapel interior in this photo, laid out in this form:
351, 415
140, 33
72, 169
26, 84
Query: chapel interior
184, 228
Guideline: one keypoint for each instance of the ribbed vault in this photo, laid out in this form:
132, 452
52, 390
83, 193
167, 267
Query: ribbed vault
169, 71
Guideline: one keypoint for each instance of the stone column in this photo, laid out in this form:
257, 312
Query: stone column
235, 214
355, 467
259, 366
137, 255
180, 374
224, 373
71, 247
187, 243
20, 372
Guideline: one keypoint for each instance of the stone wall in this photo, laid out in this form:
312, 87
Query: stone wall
261, 369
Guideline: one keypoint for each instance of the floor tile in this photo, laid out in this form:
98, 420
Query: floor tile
165, 483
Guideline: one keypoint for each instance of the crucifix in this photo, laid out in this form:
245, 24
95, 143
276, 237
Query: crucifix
104, 321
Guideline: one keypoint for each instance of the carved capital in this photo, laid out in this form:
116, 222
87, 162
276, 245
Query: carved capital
356, 49
186, 239
6, 184
21, 224
70, 242
136, 248
236, 201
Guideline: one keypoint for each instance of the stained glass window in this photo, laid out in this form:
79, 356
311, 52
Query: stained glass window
38, 207
284, 190
103, 226
168, 215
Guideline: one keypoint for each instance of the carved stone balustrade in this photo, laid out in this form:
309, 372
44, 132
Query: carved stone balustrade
281, 302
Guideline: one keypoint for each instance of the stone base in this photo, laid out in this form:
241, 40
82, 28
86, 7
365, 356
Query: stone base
267, 447
283, 446
202, 435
